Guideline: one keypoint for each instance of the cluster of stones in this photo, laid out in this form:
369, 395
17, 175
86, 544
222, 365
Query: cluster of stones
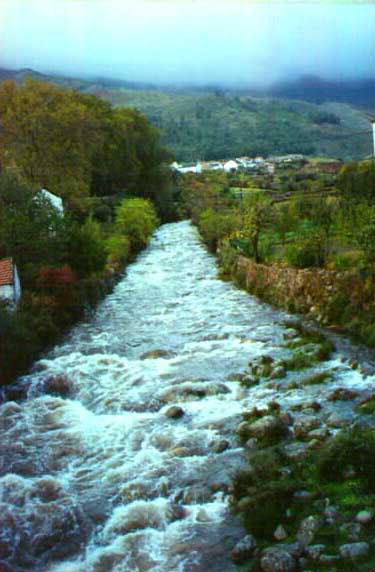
305, 552
303, 426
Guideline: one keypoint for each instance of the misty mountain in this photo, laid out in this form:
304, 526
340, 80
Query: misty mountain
317, 90
309, 116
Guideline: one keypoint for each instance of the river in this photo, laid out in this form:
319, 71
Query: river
103, 476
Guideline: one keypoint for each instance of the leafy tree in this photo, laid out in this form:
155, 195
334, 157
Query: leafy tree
86, 248
257, 217
50, 135
31, 229
364, 235
214, 226
357, 182
137, 219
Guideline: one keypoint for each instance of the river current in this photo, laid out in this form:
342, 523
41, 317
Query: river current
103, 476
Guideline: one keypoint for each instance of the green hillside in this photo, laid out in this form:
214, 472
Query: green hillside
216, 124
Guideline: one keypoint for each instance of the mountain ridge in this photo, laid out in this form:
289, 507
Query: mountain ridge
215, 123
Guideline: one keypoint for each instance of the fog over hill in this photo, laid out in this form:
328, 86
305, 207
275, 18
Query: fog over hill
234, 43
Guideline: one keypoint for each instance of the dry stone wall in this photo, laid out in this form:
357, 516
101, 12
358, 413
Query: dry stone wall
309, 290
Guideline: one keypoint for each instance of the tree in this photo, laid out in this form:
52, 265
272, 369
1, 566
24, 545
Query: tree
86, 248
257, 217
137, 219
365, 235
31, 229
49, 135
357, 182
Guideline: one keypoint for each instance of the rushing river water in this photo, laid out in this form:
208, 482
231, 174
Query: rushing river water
101, 479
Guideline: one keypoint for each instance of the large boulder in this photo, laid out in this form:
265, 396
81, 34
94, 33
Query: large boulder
268, 427
156, 354
304, 425
174, 412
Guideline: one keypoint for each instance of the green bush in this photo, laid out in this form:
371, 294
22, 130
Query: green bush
87, 252
214, 226
137, 220
353, 449
262, 494
306, 253
118, 249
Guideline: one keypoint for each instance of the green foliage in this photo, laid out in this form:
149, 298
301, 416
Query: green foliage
207, 125
320, 118
306, 252
136, 219
50, 135
17, 346
263, 493
300, 360
32, 231
214, 226
87, 250
353, 449
365, 232
74, 144
257, 218
357, 182
118, 249
367, 408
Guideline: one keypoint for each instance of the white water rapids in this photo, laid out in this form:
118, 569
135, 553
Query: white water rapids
101, 480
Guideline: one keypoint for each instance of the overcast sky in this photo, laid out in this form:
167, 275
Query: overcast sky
192, 41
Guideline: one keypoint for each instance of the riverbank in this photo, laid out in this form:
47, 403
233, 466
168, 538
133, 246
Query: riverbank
341, 300
307, 495
57, 296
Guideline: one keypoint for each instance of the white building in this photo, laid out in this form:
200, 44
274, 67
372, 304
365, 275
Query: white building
230, 166
10, 286
55, 201
187, 167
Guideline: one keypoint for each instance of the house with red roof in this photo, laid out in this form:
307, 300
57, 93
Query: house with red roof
10, 285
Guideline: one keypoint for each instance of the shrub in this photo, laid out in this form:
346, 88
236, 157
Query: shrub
263, 493
118, 248
137, 220
309, 252
87, 252
214, 226
351, 449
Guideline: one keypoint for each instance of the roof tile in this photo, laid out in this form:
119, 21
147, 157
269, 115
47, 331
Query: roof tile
6, 271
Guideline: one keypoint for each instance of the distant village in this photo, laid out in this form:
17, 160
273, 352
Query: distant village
253, 164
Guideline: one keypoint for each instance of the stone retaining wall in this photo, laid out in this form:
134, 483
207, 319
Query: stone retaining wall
309, 290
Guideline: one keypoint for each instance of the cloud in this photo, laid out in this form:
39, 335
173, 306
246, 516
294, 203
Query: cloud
200, 41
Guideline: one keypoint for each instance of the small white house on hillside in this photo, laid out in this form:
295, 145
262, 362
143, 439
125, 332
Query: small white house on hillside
10, 285
187, 167
55, 201
230, 166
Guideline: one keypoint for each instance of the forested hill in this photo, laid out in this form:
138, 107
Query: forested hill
325, 119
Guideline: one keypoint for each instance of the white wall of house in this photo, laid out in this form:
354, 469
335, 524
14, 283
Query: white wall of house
53, 199
230, 166
17, 285
7, 292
